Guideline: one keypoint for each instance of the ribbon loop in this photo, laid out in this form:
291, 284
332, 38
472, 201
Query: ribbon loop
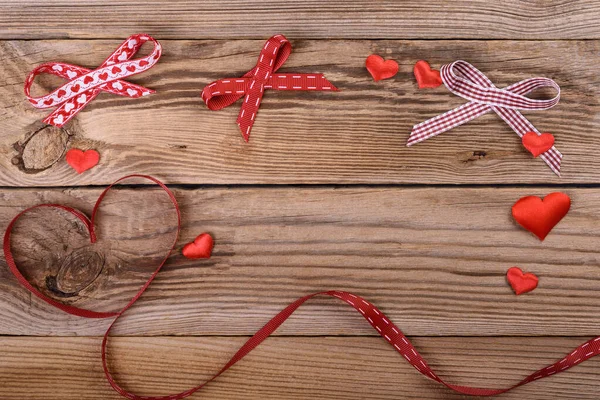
224, 92
466, 81
85, 84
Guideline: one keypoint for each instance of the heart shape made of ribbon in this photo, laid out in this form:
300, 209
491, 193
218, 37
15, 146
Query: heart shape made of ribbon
89, 224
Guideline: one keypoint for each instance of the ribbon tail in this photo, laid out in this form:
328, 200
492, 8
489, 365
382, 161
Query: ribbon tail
444, 122
521, 126
306, 82
67, 110
553, 158
249, 109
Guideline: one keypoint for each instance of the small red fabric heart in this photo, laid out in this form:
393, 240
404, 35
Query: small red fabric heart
75, 88
538, 144
201, 247
61, 93
426, 77
540, 216
380, 68
116, 70
520, 282
130, 68
88, 79
103, 76
81, 160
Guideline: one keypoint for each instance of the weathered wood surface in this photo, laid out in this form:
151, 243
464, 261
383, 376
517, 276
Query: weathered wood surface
287, 368
357, 135
434, 260
430, 19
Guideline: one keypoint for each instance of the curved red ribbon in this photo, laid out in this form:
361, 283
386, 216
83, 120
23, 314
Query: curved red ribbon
387, 329
85, 84
224, 92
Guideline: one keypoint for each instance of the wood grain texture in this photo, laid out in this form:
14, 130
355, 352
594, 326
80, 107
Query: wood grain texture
430, 19
357, 135
287, 368
434, 260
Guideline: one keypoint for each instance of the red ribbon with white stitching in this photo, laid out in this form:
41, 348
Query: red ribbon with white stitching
380, 323
466, 81
224, 92
85, 84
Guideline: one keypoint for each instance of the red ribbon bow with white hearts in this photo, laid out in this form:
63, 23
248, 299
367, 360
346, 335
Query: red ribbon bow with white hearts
466, 81
224, 92
85, 84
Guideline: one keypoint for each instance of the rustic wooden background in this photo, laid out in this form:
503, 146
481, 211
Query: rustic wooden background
325, 196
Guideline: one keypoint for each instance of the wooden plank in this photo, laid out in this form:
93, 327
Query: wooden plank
430, 19
287, 368
357, 135
433, 260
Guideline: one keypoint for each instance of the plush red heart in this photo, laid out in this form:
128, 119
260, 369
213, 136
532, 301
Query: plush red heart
201, 247
380, 68
81, 160
520, 282
540, 216
538, 144
426, 77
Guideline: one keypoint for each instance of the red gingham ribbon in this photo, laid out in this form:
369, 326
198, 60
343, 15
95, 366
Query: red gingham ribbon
466, 81
85, 84
382, 324
224, 92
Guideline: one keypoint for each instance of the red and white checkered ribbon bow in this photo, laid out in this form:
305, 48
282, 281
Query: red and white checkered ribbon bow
466, 81
85, 84
224, 92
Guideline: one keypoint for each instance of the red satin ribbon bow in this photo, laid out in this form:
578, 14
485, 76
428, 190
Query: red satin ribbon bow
85, 84
224, 92
466, 81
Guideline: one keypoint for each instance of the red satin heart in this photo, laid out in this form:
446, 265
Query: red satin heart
201, 247
81, 160
380, 68
540, 216
520, 282
426, 77
538, 144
